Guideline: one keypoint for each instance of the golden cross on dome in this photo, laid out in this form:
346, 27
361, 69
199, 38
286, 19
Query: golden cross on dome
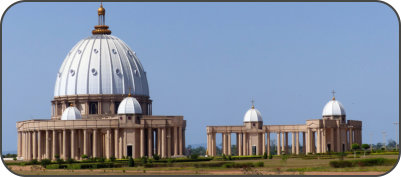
129, 94
253, 104
334, 94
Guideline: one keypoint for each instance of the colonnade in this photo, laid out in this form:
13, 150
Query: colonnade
315, 140
101, 142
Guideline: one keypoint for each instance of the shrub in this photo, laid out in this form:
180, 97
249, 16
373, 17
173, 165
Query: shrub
53, 166
229, 157
14, 158
59, 161
194, 156
84, 156
224, 157
156, 157
270, 156
112, 159
130, 162
144, 160
340, 164
259, 164
45, 162
33, 162
265, 155
100, 159
69, 161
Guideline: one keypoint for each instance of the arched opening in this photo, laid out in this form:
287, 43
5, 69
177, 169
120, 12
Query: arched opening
93, 108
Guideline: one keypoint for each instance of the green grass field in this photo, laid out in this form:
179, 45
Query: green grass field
271, 166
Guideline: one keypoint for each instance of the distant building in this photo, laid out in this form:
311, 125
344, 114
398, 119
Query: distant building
93, 112
331, 133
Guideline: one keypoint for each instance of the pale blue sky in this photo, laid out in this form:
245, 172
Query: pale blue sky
206, 61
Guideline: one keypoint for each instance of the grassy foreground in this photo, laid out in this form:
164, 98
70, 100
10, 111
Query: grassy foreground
271, 166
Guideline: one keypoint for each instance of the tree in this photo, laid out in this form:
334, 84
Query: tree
355, 147
391, 144
365, 147
130, 162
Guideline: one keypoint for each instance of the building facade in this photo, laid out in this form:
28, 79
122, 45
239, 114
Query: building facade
94, 112
331, 133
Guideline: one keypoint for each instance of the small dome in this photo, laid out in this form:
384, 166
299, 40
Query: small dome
253, 115
333, 108
71, 113
129, 105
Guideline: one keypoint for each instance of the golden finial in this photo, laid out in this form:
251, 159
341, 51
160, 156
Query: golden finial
101, 28
101, 10
253, 106
334, 97
129, 94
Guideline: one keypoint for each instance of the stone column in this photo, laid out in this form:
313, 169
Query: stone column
19, 144
54, 139
85, 150
229, 143
293, 143
34, 144
180, 140
29, 146
73, 144
169, 142
47, 144
158, 141
278, 143
304, 142
245, 144
38, 145
324, 142
282, 142
116, 151
214, 144
94, 151
308, 141
350, 138
64, 144
142, 136
264, 143
297, 143
338, 139
108, 143
120, 147
134, 154
240, 140
175, 141
23, 145
150, 142
163, 146
268, 143
318, 142
332, 144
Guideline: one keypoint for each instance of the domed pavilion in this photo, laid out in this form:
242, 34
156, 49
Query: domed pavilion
331, 133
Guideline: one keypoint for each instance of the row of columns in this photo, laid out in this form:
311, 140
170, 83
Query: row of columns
314, 141
73, 143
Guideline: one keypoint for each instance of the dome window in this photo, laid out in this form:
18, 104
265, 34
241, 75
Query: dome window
95, 50
114, 51
79, 51
72, 72
59, 74
94, 72
118, 72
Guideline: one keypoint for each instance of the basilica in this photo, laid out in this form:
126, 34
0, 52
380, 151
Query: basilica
101, 107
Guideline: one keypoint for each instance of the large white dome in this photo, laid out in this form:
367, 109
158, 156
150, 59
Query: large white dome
253, 115
101, 64
333, 108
